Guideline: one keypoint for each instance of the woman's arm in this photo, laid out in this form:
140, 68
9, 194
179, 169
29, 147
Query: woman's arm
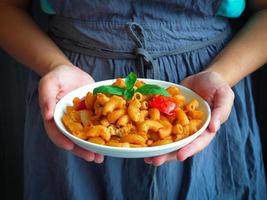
22, 38
245, 53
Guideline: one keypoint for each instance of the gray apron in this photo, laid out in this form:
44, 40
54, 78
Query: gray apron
167, 40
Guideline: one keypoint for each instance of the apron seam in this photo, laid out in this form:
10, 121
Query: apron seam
148, 24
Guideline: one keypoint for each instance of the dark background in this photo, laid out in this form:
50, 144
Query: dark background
13, 83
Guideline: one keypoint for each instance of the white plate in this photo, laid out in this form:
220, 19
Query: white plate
129, 152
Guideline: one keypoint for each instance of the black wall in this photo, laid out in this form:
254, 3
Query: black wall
260, 97
12, 89
13, 82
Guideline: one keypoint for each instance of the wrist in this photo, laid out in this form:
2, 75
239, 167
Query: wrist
53, 65
225, 71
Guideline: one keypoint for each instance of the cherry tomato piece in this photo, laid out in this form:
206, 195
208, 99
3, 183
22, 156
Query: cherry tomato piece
81, 105
165, 105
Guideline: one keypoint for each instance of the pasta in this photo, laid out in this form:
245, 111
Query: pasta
113, 120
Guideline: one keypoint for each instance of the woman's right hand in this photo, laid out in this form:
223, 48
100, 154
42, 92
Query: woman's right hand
52, 87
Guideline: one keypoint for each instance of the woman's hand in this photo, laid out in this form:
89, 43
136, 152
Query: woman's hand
52, 87
216, 91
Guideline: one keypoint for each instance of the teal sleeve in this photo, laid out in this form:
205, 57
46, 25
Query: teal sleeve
46, 7
231, 8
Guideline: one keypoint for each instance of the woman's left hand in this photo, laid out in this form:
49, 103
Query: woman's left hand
215, 90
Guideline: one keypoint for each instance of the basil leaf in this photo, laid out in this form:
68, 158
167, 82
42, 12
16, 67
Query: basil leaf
130, 80
128, 94
109, 89
153, 89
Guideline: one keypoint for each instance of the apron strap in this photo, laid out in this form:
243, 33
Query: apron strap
147, 63
147, 66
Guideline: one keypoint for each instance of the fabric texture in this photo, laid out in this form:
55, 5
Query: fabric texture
230, 167
228, 8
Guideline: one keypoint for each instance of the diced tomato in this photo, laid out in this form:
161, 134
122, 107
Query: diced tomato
164, 104
81, 105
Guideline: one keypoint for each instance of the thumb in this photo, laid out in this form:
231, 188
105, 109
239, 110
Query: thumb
222, 105
187, 82
48, 92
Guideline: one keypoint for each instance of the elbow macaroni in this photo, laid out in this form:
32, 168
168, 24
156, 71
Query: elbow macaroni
114, 121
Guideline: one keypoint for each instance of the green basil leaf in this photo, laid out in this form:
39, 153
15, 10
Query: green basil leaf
109, 89
153, 89
128, 94
130, 80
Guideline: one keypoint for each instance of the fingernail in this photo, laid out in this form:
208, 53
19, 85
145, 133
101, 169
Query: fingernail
89, 158
148, 161
99, 160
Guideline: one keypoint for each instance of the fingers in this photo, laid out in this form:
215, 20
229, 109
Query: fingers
182, 154
214, 89
55, 84
196, 146
56, 136
159, 160
99, 158
63, 142
88, 155
222, 105
52, 87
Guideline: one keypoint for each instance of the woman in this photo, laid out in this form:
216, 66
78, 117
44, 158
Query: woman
174, 41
